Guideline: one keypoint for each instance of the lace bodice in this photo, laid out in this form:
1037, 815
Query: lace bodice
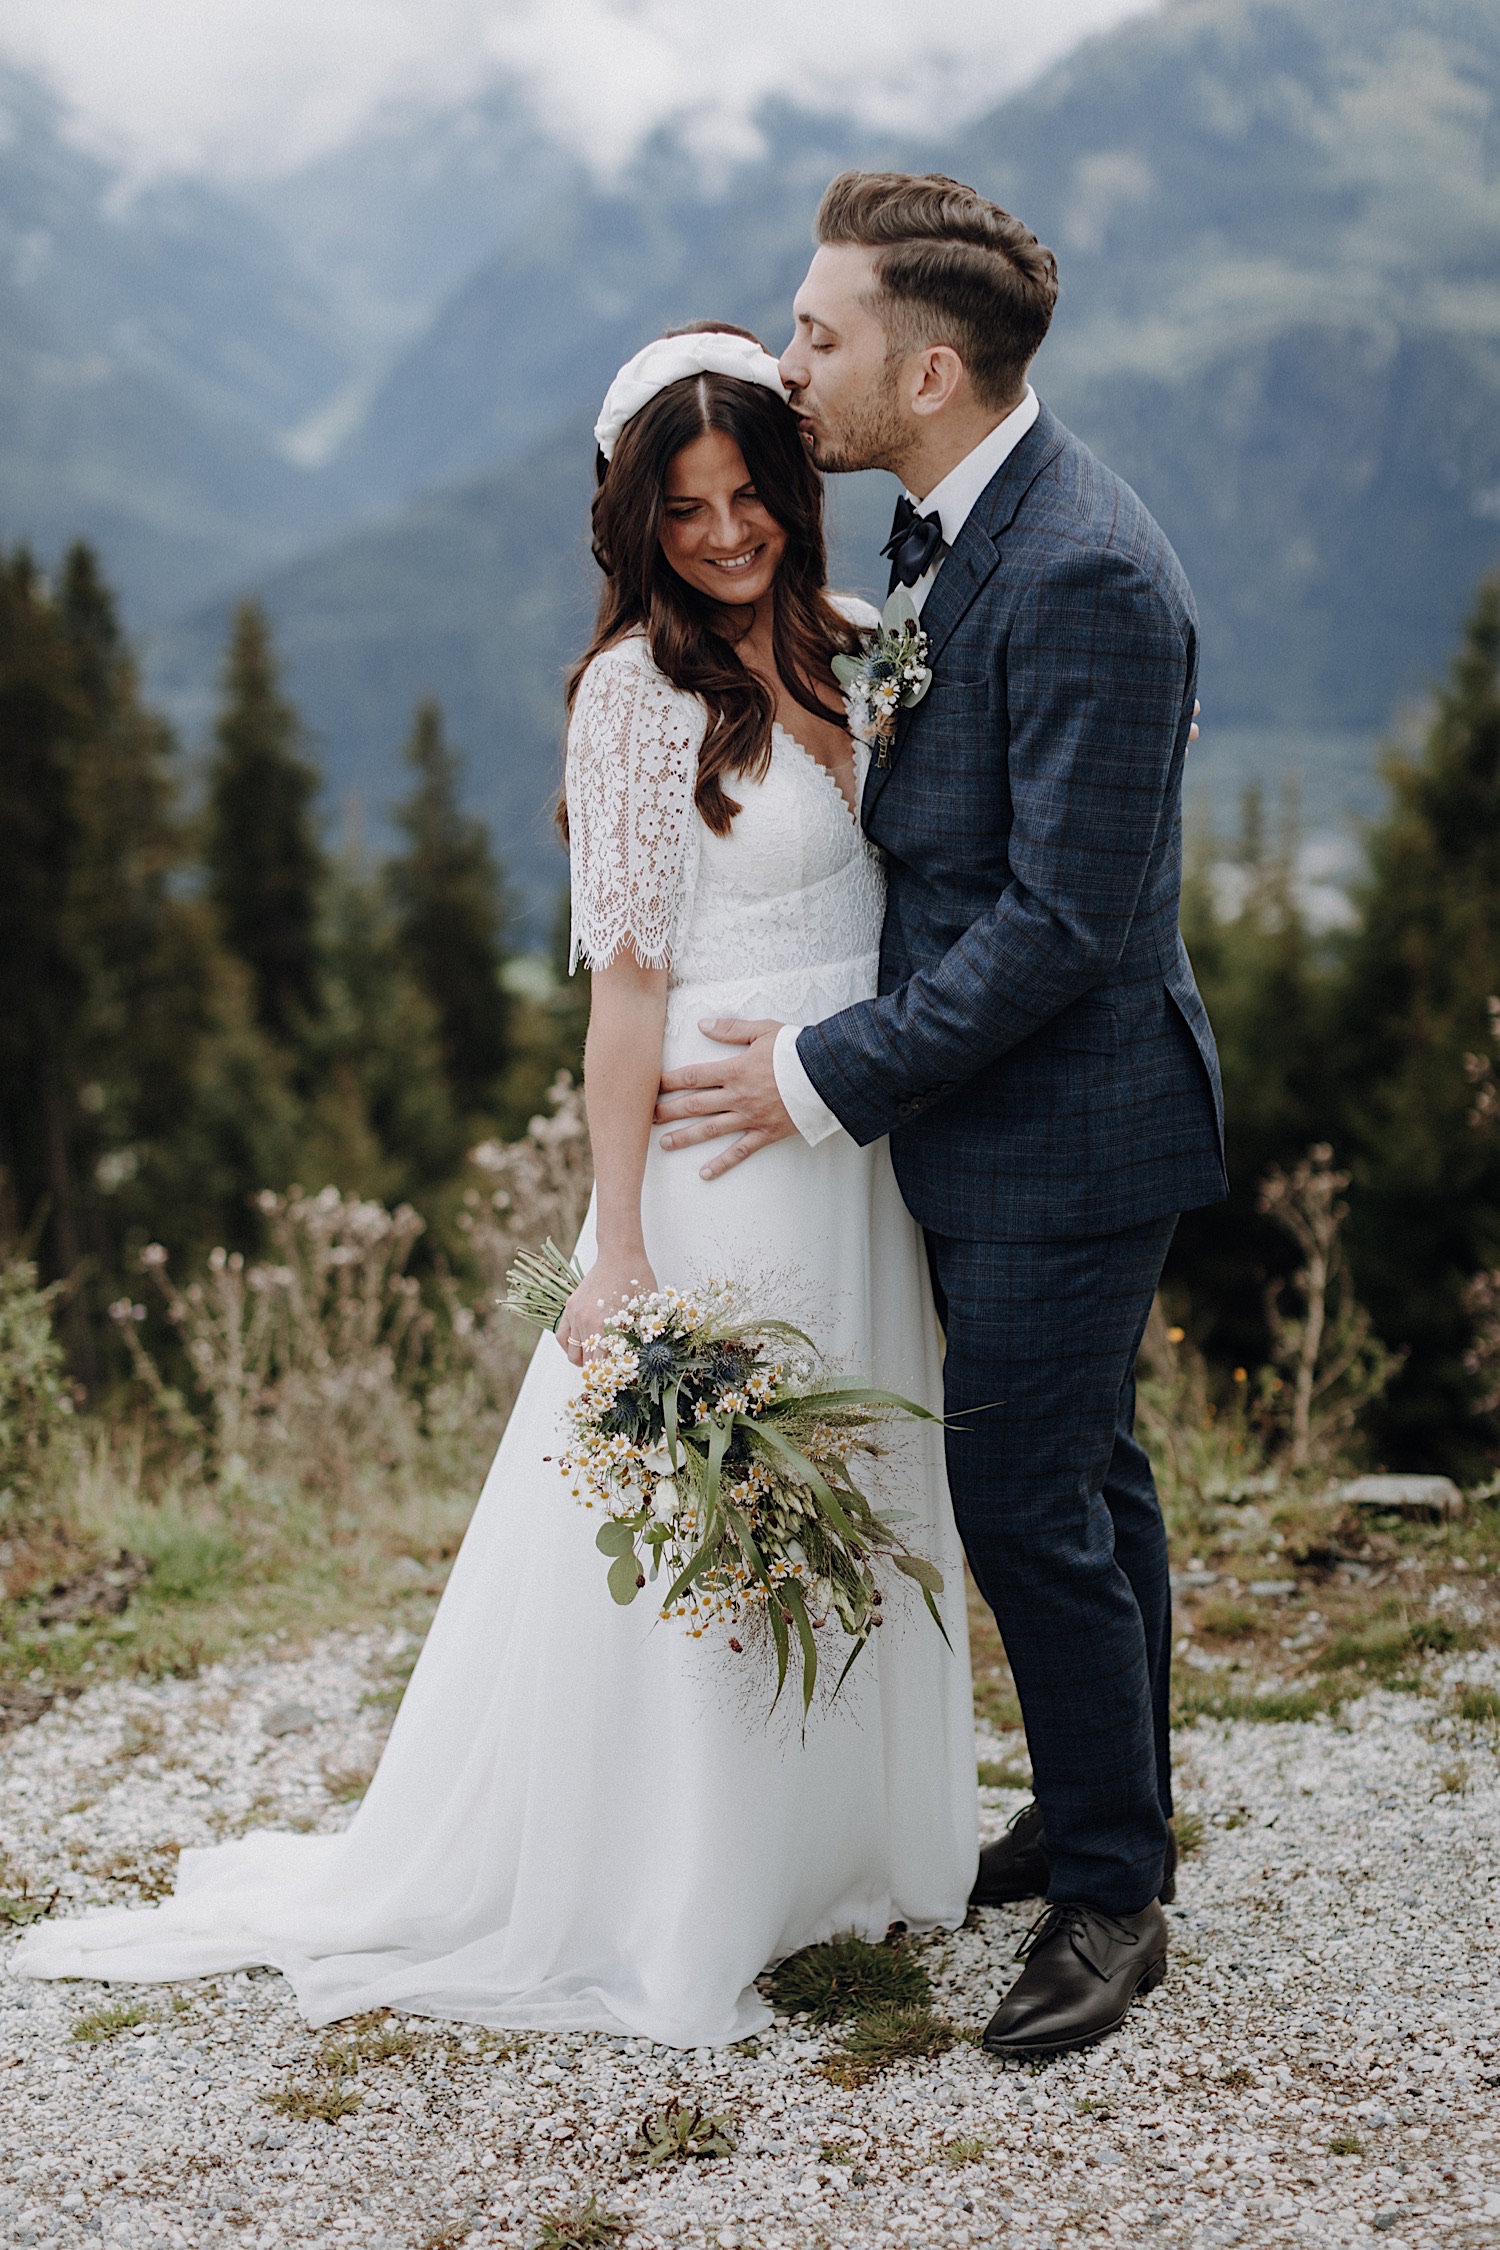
784, 911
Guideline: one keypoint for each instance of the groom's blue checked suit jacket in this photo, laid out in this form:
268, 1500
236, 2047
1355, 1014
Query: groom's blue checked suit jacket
1038, 1051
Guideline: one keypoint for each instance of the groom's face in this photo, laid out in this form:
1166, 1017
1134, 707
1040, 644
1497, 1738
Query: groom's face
838, 366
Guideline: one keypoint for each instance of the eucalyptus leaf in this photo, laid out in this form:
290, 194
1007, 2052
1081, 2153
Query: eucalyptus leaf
614, 1538
623, 1573
899, 612
926, 1574
846, 669
936, 1616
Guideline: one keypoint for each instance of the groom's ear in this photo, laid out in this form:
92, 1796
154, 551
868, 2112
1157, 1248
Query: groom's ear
936, 377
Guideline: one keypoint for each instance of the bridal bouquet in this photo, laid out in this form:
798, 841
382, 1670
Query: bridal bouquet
721, 1463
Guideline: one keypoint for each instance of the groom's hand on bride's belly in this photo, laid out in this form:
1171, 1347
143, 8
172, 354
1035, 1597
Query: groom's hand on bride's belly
704, 1101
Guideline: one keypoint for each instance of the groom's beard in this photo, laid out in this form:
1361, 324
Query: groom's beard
868, 435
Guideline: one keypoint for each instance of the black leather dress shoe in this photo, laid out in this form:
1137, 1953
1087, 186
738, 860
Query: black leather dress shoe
1016, 1866
1083, 1969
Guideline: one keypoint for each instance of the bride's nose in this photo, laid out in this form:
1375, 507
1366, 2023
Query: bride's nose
729, 530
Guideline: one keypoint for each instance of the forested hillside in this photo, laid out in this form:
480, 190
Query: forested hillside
1279, 227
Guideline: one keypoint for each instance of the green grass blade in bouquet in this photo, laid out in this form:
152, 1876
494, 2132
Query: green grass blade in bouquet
539, 1284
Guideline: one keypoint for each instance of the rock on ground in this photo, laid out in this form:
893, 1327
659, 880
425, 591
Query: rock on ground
1320, 2067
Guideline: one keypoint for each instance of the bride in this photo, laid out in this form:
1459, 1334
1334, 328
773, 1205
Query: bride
582, 1820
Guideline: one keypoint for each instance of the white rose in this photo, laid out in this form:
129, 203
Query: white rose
664, 1499
659, 1461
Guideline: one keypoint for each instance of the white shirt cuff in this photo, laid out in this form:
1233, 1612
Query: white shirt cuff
800, 1098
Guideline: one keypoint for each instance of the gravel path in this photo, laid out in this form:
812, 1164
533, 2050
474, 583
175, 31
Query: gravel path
1334, 1988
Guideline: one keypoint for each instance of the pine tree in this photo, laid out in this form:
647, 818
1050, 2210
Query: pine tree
42, 989
136, 1097
380, 1117
450, 916
176, 1145
265, 865
1426, 1200
1265, 980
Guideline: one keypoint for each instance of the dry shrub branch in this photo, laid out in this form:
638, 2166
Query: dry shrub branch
320, 1363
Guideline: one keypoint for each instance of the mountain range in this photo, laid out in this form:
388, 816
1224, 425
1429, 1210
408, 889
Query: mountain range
365, 391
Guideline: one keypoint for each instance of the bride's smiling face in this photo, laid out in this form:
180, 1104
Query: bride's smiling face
715, 532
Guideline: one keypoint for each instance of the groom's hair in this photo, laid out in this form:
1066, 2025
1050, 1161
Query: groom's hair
952, 268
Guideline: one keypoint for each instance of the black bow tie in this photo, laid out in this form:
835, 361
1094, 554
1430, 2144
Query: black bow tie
913, 543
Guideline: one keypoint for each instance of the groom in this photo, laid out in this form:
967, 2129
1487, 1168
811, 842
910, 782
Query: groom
1038, 1052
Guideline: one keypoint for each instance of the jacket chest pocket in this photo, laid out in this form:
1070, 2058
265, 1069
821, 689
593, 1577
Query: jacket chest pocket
950, 698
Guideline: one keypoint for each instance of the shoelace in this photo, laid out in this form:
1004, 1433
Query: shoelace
1068, 1919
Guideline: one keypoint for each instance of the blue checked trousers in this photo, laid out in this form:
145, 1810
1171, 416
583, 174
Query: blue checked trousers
1059, 1516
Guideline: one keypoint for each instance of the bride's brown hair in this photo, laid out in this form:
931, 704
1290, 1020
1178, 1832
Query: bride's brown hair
682, 626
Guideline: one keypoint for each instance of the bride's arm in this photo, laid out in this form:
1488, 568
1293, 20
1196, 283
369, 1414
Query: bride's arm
632, 763
621, 1067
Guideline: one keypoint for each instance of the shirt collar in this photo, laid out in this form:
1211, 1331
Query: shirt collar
955, 497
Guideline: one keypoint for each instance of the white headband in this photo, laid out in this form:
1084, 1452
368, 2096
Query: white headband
668, 360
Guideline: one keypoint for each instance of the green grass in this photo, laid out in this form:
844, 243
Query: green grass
229, 1568
449, 2234
882, 2039
1014, 1774
679, 2131
1479, 1704
1197, 1698
588, 2226
189, 1559
1226, 1620
996, 1703
108, 2023
966, 2152
1190, 1830
1346, 2144
846, 1977
23, 1906
1387, 1647
367, 2047
324, 2100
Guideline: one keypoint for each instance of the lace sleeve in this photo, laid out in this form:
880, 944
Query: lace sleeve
857, 610
631, 769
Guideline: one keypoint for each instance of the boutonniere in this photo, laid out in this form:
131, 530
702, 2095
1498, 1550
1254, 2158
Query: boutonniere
889, 674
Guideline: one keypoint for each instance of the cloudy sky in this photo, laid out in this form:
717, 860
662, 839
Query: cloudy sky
239, 87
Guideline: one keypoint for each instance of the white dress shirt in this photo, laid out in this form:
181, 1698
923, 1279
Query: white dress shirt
954, 500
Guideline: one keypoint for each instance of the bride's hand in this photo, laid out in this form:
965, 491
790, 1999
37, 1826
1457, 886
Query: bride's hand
609, 1281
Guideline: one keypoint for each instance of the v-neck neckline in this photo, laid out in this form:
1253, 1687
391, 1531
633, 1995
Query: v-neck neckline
832, 779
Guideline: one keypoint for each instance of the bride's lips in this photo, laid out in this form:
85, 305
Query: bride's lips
736, 565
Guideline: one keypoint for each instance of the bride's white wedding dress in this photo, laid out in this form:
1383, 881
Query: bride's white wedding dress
582, 1820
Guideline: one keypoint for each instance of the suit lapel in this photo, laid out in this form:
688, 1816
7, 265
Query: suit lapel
973, 559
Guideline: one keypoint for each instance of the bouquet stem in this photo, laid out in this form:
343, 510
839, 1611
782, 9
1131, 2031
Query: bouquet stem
539, 1285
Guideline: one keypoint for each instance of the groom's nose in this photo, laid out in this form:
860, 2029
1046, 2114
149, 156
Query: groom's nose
793, 366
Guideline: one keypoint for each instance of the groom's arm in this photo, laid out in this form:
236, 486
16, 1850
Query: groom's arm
1099, 693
